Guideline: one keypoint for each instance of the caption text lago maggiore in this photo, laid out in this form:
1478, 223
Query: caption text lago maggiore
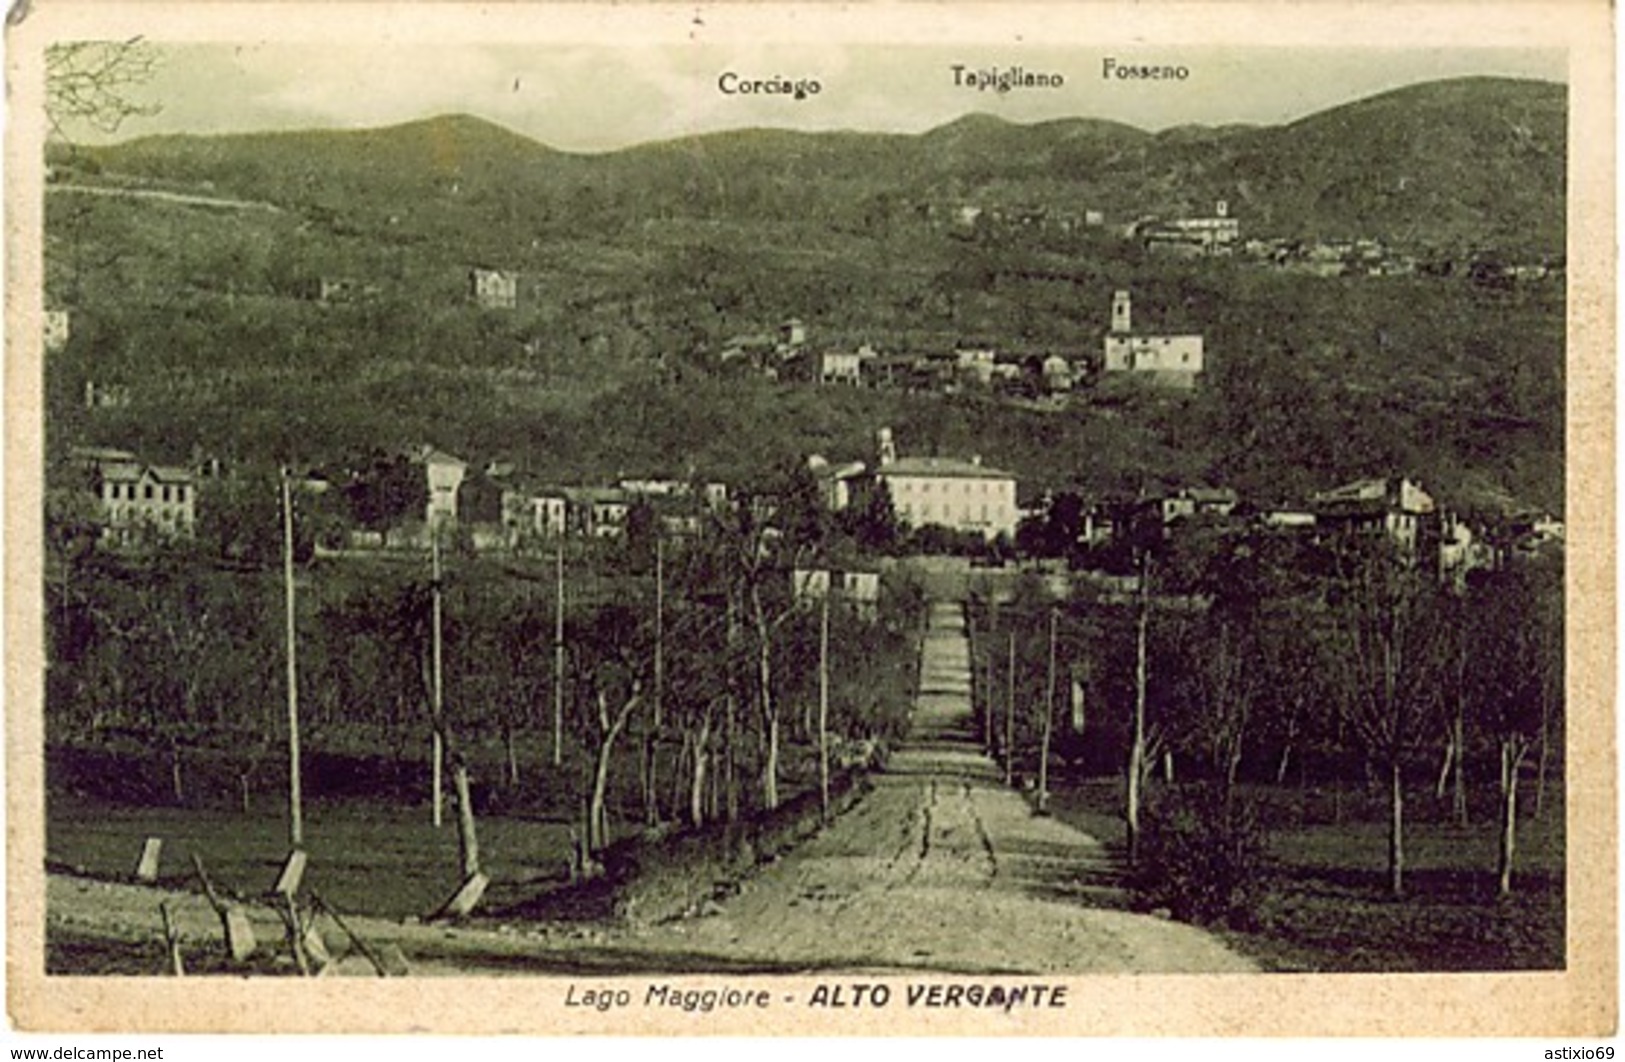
848, 995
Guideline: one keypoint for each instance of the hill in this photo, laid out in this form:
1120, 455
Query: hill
1476, 162
638, 264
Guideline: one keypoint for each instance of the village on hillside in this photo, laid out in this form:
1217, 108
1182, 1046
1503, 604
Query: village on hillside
777, 551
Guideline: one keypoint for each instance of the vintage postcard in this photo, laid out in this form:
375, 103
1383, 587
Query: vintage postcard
1059, 519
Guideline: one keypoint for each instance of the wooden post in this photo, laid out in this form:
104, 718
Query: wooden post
823, 709
987, 692
146, 868
558, 661
438, 750
385, 963
234, 924
467, 839
296, 822
1049, 719
172, 941
464, 900
292, 874
296, 934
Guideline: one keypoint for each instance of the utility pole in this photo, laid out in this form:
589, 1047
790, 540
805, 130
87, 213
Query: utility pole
1136, 757
558, 661
1010, 715
823, 707
296, 820
1049, 718
660, 628
651, 738
988, 690
436, 705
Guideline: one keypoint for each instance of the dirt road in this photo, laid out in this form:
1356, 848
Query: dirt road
940, 868
158, 195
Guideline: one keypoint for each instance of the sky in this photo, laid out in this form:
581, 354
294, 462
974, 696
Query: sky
593, 96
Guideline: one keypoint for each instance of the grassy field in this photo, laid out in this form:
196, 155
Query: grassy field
1327, 910
374, 858
373, 851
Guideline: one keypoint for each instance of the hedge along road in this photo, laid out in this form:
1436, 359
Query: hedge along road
941, 867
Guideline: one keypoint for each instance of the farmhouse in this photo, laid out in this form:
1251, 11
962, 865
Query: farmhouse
106, 395
837, 484
843, 366
530, 515
494, 289
1198, 501
976, 364
138, 500
598, 512
1058, 374
1395, 507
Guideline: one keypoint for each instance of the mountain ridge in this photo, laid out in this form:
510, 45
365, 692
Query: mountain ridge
635, 267
1460, 162
981, 121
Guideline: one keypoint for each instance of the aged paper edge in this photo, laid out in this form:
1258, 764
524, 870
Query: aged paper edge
1581, 1000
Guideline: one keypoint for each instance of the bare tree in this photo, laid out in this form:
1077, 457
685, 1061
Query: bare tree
95, 83
611, 659
1224, 682
758, 583
1519, 620
1458, 645
1386, 625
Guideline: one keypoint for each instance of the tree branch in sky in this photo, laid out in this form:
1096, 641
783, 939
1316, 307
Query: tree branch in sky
92, 82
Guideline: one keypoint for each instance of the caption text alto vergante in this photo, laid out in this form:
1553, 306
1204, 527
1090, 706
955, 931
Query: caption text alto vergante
832, 995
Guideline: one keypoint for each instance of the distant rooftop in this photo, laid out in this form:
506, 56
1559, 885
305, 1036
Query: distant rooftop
428, 455
171, 474
946, 467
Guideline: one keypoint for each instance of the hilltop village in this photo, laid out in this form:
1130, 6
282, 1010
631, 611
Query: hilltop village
939, 502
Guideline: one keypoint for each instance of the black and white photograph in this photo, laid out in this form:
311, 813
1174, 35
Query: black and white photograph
776, 526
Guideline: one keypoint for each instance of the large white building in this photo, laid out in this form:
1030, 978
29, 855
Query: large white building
959, 495
1216, 234
946, 492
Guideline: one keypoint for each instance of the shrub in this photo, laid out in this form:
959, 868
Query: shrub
1202, 857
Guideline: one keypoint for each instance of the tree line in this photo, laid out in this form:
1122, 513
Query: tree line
669, 685
1239, 660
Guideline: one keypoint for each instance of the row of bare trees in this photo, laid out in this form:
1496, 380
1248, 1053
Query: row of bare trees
686, 693
1246, 658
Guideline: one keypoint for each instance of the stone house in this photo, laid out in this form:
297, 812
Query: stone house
494, 289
